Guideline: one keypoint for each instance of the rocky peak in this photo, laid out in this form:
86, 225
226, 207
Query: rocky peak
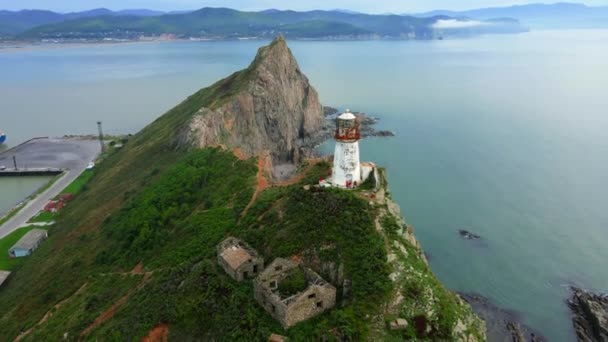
268, 108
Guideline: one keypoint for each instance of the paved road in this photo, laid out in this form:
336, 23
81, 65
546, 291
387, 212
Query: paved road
72, 155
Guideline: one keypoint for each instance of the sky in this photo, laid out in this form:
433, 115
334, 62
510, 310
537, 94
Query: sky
368, 6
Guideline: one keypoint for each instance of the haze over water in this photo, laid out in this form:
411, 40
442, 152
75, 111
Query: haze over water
501, 135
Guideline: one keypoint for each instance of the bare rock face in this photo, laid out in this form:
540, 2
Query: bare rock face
268, 107
590, 315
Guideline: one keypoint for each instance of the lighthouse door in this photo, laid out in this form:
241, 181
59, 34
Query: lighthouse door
349, 181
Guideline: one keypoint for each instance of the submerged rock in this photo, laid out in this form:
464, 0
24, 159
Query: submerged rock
383, 134
367, 124
502, 325
468, 235
590, 315
327, 110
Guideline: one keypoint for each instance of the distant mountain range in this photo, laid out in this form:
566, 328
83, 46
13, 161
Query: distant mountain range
559, 15
224, 23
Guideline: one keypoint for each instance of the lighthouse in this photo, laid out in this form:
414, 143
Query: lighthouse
346, 172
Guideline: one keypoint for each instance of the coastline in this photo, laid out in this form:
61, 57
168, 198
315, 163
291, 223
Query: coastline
39, 46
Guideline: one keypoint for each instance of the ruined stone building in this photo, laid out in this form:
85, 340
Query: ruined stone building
292, 304
238, 259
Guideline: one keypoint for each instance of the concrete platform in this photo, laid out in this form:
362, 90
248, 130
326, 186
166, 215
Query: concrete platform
70, 155
3, 276
50, 153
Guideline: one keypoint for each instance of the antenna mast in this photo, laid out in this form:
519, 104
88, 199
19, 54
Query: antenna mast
103, 147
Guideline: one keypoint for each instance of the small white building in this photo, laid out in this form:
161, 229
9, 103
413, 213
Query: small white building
346, 172
28, 243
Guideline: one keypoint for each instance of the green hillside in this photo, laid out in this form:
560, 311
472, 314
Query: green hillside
135, 251
224, 23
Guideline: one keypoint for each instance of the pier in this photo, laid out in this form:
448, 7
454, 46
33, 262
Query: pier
30, 172
45, 156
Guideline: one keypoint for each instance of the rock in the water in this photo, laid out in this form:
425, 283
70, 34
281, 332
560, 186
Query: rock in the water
327, 110
365, 119
367, 124
502, 325
468, 235
590, 315
383, 134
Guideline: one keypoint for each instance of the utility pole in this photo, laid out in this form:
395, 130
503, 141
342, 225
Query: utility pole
103, 147
15, 162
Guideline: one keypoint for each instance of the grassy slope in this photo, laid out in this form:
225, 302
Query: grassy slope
73, 188
155, 203
64, 263
6, 263
191, 293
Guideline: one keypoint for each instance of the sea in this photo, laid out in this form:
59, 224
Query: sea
502, 135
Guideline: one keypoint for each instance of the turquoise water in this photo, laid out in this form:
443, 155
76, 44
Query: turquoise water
501, 135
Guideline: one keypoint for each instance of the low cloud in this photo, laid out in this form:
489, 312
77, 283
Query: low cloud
456, 24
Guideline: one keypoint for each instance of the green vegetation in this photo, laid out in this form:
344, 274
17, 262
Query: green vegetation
432, 310
79, 183
320, 29
164, 207
73, 188
7, 263
228, 23
294, 283
369, 184
43, 216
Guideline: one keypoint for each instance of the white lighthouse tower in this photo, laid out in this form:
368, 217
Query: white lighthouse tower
346, 172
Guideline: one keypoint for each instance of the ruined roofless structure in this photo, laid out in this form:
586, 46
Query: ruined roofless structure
238, 259
290, 309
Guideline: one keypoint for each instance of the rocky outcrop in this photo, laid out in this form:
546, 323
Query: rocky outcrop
367, 124
465, 234
418, 298
268, 107
501, 324
590, 315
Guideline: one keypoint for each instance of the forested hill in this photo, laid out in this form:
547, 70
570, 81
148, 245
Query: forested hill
134, 254
224, 23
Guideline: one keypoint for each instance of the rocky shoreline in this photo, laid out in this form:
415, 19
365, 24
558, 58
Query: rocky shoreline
590, 312
501, 324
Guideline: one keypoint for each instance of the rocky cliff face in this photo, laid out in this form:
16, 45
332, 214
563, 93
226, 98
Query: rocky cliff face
270, 107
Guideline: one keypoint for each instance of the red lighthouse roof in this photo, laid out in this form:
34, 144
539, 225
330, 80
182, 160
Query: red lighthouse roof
347, 127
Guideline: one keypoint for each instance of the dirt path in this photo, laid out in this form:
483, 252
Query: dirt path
159, 333
50, 313
111, 311
261, 181
298, 178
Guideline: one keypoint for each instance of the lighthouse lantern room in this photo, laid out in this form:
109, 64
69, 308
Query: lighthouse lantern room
346, 172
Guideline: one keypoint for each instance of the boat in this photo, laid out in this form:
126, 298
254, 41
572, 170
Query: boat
2, 137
